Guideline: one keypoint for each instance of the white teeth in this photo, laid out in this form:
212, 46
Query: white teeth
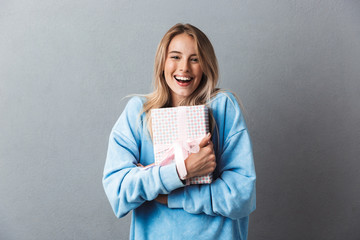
183, 78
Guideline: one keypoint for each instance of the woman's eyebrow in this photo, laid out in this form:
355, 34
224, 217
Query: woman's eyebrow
177, 52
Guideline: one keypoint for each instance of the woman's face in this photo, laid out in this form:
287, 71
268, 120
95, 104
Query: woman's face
182, 69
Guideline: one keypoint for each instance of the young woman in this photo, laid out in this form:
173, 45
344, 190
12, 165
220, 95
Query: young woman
186, 73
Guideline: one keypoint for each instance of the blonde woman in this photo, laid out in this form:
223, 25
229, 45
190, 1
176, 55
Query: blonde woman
164, 207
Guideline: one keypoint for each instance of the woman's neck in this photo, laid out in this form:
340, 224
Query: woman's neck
175, 101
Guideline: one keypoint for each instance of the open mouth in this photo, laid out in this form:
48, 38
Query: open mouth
183, 80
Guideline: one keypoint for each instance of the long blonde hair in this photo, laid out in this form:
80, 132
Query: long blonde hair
161, 96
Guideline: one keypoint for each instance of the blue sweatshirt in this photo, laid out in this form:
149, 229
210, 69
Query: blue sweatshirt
219, 210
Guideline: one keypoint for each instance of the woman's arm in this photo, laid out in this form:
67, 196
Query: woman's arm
126, 185
232, 194
197, 164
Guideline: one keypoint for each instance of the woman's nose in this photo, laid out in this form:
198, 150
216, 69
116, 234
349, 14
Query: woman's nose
184, 66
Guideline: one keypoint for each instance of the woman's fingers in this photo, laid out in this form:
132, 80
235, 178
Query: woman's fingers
205, 141
210, 157
203, 162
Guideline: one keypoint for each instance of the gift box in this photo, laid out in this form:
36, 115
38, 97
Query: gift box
184, 125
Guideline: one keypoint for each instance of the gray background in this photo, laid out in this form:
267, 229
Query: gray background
66, 65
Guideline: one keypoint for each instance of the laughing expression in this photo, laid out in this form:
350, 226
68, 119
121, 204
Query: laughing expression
182, 69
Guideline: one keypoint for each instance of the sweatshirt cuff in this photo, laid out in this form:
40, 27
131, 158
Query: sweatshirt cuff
175, 198
170, 178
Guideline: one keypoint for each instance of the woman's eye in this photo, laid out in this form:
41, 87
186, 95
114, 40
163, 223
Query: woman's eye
175, 57
195, 60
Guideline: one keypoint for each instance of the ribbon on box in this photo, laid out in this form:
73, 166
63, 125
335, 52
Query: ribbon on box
178, 151
173, 150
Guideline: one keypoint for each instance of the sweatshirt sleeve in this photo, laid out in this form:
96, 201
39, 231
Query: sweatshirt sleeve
232, 194
126, 185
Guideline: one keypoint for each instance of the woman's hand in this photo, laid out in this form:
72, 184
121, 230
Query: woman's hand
162, 198
203, 162
197, 164
140, 165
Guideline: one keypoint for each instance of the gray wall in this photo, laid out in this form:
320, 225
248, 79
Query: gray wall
66, 65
